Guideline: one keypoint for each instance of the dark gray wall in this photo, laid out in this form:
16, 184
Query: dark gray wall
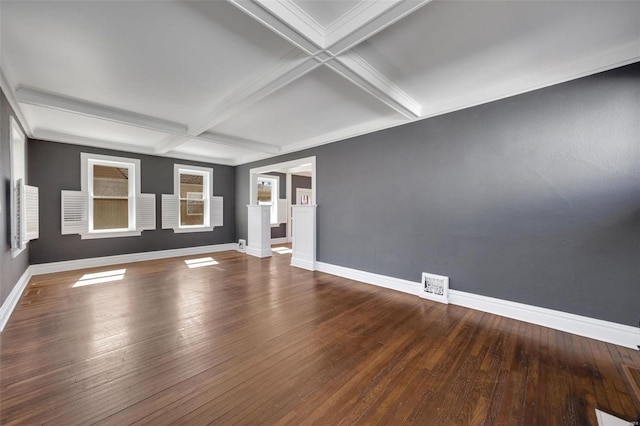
533, 199
56, 166
298, 182
10, 269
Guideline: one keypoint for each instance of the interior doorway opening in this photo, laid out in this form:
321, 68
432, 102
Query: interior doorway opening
284, 189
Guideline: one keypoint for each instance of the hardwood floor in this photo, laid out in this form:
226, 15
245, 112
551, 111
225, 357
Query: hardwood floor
255, 341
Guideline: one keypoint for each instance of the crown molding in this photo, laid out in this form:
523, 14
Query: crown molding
49, 136
360, 72
7, 88
354, 28
41, 98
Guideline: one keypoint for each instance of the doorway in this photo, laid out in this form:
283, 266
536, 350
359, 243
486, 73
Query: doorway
299, 179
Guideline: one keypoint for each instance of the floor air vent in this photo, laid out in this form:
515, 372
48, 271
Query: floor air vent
435, 287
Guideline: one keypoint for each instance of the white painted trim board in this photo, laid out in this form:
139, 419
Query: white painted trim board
606, 331
70, 265
13, 298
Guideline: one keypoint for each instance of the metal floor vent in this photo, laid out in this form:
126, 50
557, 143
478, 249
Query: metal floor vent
435, 287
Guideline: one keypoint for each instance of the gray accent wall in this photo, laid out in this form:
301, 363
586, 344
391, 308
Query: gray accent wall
533, 199
298, 182
55, 166
10, 269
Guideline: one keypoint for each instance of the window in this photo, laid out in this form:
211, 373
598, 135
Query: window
268, 191
191, 207
110, 203
112, 206
194, 198
24, 198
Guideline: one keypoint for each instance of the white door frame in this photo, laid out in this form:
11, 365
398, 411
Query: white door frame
253, 176
279, 167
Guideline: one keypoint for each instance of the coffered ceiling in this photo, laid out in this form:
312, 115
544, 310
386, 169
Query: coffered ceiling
236, 81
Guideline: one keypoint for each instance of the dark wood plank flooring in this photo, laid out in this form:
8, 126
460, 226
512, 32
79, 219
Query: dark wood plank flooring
253, 341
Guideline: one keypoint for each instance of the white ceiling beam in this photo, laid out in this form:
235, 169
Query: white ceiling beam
300, 35
89, 109
174, 141
293, 16
291, 67
360, 72
99, 143
238, 142
177, 132
362, 24
363, 21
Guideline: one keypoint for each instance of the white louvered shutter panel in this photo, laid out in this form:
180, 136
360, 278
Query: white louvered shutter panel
75, 212
16, 224
146, 212
217, 207
282, 211
31, 220
170, 211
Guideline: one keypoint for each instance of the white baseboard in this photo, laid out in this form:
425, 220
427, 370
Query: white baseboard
257, 252
282, 240
70, 265
304, 264
610, 332
370, 278
606, 331
12, 299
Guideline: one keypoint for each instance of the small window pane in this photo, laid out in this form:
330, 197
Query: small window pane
110, 197
110, 213
112, 182
191, 183
191, 200
264, 191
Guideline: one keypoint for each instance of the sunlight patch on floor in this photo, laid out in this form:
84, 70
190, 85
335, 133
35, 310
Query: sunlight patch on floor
282, 250
198, 263
100, 277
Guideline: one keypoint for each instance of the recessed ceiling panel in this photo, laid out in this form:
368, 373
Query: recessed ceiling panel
59, 122
326, 12
448, 55
317, 104
198, 148
171, 60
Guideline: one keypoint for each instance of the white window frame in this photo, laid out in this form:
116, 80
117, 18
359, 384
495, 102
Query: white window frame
275, 196
87, 162
17, 152
207, 185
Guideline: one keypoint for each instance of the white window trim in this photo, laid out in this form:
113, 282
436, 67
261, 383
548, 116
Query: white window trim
207, 173
275, 196
16, 136
87, 160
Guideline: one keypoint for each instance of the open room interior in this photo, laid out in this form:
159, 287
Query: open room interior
259, 212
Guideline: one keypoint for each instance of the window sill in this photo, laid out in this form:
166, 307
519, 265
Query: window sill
16, 252
195, 229
98, 235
